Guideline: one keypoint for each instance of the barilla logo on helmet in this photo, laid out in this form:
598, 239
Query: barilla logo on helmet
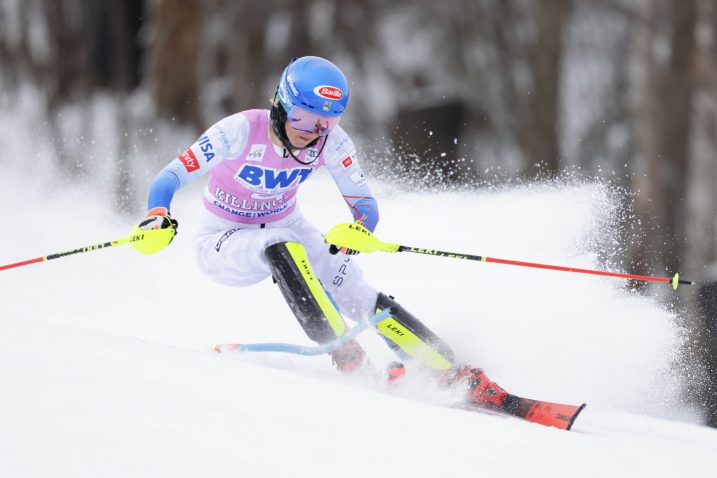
329, 92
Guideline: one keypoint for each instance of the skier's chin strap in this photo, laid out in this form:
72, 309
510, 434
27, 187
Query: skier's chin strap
278, 120
288, 149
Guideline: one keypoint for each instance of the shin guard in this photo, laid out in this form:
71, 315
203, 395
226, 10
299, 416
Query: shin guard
302, 290
404, 331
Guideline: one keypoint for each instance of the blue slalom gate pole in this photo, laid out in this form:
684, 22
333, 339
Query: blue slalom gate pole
304, 349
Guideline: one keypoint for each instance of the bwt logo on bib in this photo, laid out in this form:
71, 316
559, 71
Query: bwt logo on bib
257, 178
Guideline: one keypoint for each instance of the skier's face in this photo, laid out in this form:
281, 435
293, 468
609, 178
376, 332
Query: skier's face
303, 126
299, 139
305, 121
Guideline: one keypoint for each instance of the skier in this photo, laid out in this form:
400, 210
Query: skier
251, 226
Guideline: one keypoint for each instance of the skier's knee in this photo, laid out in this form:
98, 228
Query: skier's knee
303, 292
405, 332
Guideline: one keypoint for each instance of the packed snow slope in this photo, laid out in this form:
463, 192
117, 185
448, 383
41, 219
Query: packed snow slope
106, 366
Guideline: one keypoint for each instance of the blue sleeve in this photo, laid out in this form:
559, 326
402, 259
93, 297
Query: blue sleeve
364, 209
162, 189
340, 160
226, 138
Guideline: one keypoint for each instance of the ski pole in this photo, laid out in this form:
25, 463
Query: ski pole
303, 349
136, 236
354, 236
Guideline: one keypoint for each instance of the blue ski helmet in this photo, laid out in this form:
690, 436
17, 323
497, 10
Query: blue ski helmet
315, 84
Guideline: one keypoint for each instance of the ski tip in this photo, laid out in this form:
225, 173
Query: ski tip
221, 348
575, 415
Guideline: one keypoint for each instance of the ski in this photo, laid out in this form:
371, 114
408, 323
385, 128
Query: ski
550, 414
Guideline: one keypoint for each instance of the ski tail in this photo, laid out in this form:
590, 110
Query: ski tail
550, 414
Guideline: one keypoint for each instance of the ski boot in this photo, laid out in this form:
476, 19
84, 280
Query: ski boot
349, 358
482, 391
395, 371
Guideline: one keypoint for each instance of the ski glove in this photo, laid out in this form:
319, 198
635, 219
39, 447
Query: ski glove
345, 250
155, 232
333, 249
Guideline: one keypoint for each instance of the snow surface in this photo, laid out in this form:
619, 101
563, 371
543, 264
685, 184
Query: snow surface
106, 366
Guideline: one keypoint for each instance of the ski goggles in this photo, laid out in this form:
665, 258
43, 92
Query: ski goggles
307, 122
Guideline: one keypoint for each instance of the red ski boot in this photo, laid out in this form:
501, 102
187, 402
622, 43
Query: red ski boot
395, 370
482, 391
